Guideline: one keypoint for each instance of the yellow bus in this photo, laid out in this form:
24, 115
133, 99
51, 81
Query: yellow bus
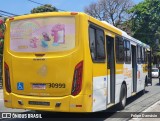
70, 62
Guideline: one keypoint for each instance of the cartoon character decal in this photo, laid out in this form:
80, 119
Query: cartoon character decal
43, 35
45, 40
58, 33
33, 42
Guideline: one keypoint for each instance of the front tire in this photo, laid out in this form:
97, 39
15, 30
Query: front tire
123, 97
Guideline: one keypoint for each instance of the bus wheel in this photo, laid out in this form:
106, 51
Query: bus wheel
146, 81
123, 97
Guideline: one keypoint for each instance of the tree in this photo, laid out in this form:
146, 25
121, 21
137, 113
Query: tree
2, 29
44, 8
112, 11
146, 22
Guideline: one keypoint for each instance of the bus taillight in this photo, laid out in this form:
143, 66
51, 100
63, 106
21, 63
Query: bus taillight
77, 79
7, 78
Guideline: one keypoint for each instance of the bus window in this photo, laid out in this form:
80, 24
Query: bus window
51, 34
119, 50
127, 51
142, 55
138, 54
92, 43
145, 56
97, 44
100, 45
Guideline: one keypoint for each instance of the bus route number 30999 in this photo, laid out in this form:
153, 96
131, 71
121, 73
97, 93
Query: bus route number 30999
56, 85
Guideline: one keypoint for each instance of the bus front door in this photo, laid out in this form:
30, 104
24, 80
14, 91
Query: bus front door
149, 56
134, 69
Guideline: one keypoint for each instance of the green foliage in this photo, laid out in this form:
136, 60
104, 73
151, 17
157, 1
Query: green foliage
2, 29
44, 8
146, 22
1, 47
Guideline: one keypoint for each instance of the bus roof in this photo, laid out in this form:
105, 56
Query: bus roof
124, 34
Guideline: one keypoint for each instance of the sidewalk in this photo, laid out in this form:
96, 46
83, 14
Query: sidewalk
155, 108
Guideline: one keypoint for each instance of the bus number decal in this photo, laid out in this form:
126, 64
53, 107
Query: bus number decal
56, 85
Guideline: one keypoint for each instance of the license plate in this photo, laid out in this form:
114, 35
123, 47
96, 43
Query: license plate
39, 103
38, 86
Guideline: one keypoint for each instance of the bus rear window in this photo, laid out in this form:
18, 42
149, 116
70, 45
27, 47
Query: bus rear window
48, 34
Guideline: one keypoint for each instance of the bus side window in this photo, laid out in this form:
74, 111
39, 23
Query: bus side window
96, 41
127, 50
92, 42
142, 55
138, 54
109, 53
119, 50
100, 45
145, 56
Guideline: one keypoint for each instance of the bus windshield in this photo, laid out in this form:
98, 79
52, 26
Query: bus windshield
49, 34
154, 70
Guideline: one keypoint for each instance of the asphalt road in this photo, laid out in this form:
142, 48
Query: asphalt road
136, 103
141, 102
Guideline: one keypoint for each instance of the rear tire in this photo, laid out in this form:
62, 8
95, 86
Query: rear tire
146, 81
123, 97
144, 90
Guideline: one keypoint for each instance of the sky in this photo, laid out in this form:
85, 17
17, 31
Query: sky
20, 7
